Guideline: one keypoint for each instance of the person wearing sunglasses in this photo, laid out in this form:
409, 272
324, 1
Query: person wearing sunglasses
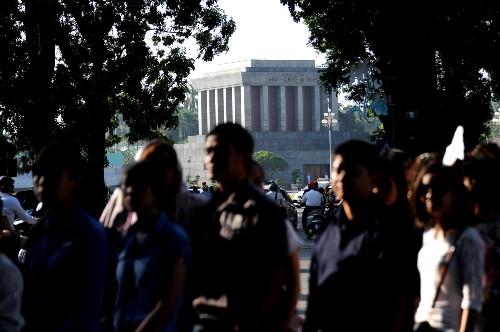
450, 261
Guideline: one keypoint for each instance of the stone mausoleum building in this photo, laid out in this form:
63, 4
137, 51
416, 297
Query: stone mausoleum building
281, 102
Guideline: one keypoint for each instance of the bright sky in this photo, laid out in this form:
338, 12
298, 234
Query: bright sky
264, 30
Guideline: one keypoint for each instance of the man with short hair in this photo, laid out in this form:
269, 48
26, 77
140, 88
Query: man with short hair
11, 206
67, 253
245, 248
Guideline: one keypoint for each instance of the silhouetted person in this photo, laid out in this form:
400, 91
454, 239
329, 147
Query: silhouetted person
67, 250
350, 285
11, 290
245, 249
183, 208
441, 204
153, 256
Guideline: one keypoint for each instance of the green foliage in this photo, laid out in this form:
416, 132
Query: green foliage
270, 162
444, 68
187, 114
192, 181
128, 156
493, 126
296, 176
285, 184
69, 67
358, 128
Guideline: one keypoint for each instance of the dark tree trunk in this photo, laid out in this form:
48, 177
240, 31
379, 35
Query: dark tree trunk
39, 21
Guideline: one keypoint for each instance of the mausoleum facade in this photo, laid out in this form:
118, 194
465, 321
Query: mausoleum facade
281, 102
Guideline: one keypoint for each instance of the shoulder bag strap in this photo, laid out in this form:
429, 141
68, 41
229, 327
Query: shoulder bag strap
447, 261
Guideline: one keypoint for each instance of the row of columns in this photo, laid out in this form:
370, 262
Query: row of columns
264, 108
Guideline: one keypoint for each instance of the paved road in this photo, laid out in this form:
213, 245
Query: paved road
305, 261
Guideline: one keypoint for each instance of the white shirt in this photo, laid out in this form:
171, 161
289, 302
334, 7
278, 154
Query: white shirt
313, 198
11, 290
294, 240
277, 197
12, 208
462, 286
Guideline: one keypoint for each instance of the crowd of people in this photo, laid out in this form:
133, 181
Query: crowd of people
413, 244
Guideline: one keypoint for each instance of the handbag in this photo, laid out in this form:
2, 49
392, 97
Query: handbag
425, 326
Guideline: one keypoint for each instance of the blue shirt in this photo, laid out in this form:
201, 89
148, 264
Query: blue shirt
65, 269
144, 269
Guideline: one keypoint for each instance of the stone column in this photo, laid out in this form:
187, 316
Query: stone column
282, 117
255, 111
264, 106
246, 109
228, 100
216, 107
219, 106
205, 111
300, 108
317, 115
291, 108
233, 104
224, 104
210, 109
200, 112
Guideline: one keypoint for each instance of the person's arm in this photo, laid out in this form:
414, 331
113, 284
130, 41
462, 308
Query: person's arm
114, 214
21, 214
293, 283
164, 309
469, 320
10, 297
304, 198
471, 269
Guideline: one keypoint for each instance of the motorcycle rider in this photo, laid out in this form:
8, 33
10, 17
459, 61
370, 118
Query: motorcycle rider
11, 206
275, 194
313, 200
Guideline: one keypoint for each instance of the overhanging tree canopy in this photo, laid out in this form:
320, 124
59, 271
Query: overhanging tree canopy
68, 67
438, 62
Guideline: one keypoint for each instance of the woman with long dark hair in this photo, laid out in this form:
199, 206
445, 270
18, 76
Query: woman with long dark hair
451, 288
